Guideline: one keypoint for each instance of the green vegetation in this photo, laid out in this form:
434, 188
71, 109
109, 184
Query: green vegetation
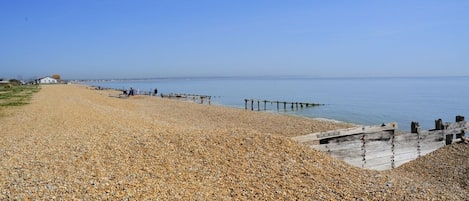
16, 95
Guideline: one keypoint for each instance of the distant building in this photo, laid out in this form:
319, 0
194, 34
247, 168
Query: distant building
47, 80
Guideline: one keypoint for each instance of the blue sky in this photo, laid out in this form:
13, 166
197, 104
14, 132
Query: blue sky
152, 38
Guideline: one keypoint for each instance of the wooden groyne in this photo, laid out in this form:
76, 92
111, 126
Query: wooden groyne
202, 99
382, 147
284, 104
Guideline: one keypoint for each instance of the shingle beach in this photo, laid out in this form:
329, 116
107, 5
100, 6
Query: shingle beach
76, 143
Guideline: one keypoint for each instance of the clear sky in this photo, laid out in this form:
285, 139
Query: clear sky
153, 38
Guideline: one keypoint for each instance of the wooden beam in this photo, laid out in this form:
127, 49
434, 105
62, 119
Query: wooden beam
345, 132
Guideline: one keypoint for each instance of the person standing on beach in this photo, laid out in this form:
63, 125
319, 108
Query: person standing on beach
155, 91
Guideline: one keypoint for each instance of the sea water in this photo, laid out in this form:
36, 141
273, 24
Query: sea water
365, 101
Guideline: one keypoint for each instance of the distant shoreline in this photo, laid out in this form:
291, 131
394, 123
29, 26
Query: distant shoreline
288, 77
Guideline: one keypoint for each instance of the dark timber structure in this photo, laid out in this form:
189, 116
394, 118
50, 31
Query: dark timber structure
292, 105
202, 99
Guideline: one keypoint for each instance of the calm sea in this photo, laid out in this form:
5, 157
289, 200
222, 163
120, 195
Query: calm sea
366, 101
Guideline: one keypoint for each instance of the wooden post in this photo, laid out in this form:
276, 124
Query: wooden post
449, 139
258, 105
245, 104
277, 106
439, 124
285, 106
414, 127
252, 104
265, 105
209, 100
460, 135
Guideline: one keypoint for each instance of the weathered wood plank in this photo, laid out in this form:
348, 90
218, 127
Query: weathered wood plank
356, 152
375, 144
431, 138
457, 125
380, 136
379, 167
404, 147
406, 156
378, 152
378, 161
342, 139
346, 132
427, 151
350, 160
372, 155
339, 146
452, 130
405, 140
432, 145
405, 137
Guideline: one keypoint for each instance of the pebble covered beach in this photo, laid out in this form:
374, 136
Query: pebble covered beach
76, 143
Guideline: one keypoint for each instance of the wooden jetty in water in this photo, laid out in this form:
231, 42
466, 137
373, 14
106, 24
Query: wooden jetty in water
382, 147
202, 99
293, 105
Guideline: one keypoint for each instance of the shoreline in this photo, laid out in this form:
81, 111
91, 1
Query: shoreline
259, 77
118, 91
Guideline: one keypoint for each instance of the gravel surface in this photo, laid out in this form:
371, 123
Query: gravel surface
72, 142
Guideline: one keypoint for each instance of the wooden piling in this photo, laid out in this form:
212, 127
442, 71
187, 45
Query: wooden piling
293, 105
462, 133
449, 139
414, 127
439, 124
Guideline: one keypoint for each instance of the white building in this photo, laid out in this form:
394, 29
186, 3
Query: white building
47, 80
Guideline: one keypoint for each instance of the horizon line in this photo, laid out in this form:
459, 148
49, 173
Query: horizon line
268, 77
